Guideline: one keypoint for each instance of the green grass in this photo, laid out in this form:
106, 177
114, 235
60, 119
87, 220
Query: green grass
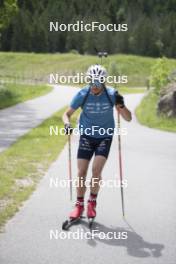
131, 90
147, 114
11, 94
27, 159
31, 66
122, 89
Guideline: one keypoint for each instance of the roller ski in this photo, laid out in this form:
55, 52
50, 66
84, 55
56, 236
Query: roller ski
74, 217
91, 212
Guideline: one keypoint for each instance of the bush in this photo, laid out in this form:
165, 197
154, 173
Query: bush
5, 94
73, 51
159, 75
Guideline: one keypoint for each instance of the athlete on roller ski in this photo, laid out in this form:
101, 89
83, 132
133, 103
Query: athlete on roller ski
97, 102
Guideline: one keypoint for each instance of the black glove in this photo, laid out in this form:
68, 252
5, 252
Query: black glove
119, 100
68, 129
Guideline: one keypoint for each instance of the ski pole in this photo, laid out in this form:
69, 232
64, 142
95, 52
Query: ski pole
120, 165
70, 165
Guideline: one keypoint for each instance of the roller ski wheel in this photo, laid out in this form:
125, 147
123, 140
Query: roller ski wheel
68, 223
91, 212
90, 222
74, 216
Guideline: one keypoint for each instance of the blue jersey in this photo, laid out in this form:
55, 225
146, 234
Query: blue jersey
96, 119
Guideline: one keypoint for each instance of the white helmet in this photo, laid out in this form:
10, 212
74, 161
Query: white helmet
97, 72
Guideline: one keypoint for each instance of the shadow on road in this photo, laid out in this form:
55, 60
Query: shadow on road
136, 246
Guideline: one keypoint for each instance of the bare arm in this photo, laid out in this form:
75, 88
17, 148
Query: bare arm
124, 112
67, 115
121, 108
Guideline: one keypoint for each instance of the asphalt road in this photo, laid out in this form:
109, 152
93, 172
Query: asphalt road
34, 235
17, 120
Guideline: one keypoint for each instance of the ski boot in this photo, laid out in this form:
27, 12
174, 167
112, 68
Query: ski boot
74, 216
91, 211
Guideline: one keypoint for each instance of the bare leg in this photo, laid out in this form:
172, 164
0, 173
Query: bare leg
83, 165
97, 167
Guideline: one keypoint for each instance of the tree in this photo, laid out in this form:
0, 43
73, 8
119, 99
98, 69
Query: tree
151, 26
8, 8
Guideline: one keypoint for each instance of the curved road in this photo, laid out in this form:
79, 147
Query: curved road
17, 120
149, 168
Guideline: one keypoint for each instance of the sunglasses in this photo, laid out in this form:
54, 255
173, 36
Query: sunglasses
97, 84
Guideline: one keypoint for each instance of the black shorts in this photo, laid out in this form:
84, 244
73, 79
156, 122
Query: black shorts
89, 145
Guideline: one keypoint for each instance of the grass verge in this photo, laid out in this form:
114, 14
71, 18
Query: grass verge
131, 90
31, 66
11, 94
147, 115
25, 162
121, 89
